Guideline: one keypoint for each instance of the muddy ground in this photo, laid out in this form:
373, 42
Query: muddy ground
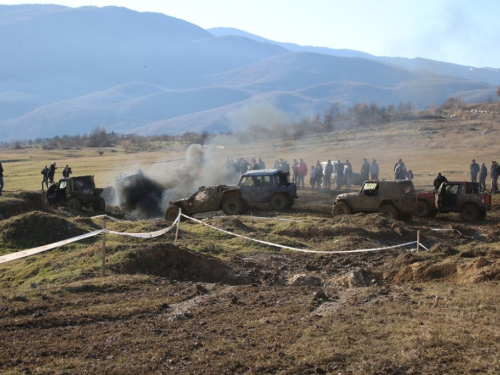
219, 305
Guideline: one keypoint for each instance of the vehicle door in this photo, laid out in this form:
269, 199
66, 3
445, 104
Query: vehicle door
368, 199
250, 188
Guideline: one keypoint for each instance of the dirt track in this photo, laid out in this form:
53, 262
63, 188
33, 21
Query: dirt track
169, 309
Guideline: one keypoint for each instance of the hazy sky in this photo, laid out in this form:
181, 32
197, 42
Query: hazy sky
464, 32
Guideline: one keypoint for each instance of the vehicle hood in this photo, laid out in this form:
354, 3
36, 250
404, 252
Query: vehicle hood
346, 195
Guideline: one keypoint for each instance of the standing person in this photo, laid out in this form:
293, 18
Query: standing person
66, 171
340, 174
1, 178
45, 176
319, 174
52, 171
409, 175
302, 171
483, 173
494, 170
365, 171
295, 168
328, 174
439, 180
312, 177
399, 170
374, 170
474, 170
261, 163
348, 174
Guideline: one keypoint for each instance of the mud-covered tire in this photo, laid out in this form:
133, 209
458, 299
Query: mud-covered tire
422, 209
100, 205
469, 212
74, 204
389, 210
290, 203
171, 214
279, 202
341, 209
233, 206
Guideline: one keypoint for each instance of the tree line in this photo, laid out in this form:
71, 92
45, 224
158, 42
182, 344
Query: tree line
336, 117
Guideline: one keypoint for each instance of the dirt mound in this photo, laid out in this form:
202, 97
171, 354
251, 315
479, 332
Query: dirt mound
171, 261
21, 202
36, 229
461, 270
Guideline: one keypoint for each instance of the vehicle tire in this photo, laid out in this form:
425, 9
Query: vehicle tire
422, 209
290, 203
100, 205
482, 214
74, 204
433, 214
279, 202
171, 214
389, 210
341, 209
233, 206
469, 212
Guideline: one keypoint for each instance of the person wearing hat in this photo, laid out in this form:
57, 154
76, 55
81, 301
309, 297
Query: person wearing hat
474, 170
52, 171
374, 170
365, 171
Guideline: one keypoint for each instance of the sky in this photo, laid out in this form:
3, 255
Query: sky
463, 32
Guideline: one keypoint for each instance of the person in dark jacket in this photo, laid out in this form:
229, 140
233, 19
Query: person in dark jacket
1, 178
328, 174
52, 171
45, 177
66, 171
365, 171
494, 172
483, 173
439, 180
474, 170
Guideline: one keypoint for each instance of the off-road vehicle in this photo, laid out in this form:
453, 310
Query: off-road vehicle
75, 193
395, 199
462, 196
268, 185
209, 198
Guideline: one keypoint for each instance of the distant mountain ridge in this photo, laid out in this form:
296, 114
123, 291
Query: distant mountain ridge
67, 70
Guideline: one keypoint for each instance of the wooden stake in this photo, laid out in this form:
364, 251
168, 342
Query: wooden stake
177, 230
418, 241
104, 247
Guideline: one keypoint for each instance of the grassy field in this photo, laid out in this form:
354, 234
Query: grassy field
426, 147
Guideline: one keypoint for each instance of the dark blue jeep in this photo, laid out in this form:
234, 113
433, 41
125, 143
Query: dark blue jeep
268, 185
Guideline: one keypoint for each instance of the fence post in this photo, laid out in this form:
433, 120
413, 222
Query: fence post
104, 246
418, 241
177, 230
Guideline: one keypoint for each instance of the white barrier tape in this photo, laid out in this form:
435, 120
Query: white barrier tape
424, 246
296, 249
36, 250
146, 235
273, 218
107, 217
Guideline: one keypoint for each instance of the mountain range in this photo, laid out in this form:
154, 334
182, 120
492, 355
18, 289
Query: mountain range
65, 71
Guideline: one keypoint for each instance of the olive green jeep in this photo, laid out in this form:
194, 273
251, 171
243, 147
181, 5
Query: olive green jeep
395, 199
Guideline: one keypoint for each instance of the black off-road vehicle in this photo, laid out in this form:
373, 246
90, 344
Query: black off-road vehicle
209, 198
395, 199
268, 185
75, 193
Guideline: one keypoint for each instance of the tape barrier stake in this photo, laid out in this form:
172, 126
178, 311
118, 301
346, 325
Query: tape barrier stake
418, 241
178, 224
104, 246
